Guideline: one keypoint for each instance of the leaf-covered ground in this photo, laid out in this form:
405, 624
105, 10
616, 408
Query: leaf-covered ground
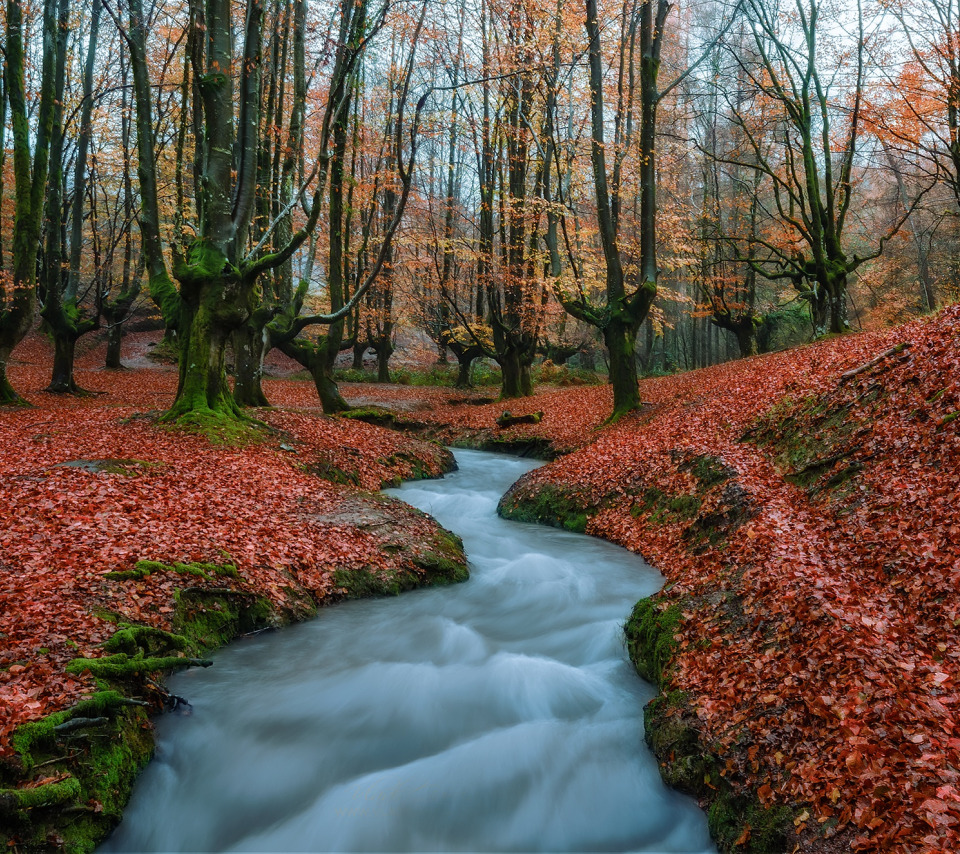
89, 487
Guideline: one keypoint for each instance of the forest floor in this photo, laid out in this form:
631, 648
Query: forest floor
804, 507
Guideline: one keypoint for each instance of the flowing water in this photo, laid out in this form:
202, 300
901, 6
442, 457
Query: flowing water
497, 715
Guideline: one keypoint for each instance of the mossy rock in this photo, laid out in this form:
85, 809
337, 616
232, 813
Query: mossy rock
127, 467
651, 641
441, 562
737, 820
549, 504
377, 415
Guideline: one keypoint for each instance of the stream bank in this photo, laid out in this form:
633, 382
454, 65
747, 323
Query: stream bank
65, 777
498, 715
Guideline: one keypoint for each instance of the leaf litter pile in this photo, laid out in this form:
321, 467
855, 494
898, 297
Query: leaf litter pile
804, 507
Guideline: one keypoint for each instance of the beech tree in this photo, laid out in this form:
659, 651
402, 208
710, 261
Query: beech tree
808, 152
31, 159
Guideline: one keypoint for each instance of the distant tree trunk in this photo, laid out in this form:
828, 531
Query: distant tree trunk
116, 310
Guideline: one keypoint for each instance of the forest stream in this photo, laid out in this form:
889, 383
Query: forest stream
497, 715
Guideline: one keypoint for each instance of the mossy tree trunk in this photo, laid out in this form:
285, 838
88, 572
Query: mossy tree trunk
250, 346
61, 311
31, 151
626, 303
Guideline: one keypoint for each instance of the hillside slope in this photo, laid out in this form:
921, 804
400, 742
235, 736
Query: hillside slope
805, 509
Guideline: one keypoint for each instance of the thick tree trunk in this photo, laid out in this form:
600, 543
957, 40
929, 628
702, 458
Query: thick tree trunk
62, 381
384, 350
114, 345
8, 394
214, 308
359, 351
250, 344
464, 363
621, 341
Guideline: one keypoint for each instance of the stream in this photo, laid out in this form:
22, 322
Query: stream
497, 715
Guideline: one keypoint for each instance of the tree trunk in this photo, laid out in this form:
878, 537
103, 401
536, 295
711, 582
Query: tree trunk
114, 344
30, 177
464, 364
747, 339
359, 351
214, 308
621, 339
250, 343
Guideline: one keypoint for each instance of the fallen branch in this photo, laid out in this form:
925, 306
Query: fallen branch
899, 348
508, 420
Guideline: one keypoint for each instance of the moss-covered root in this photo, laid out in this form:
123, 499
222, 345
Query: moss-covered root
78, 769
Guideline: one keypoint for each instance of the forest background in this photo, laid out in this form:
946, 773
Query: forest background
633, 186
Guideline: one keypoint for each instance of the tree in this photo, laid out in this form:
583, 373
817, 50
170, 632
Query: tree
808, 151
630, 278
61, 310
30, 165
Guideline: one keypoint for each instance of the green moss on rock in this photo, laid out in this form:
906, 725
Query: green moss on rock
548, 504
737, 820
651, 639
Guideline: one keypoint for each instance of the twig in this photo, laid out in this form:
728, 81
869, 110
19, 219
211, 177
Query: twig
899, 348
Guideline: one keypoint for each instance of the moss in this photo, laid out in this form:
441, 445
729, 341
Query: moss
219, 428
814, 441
442, 561
206, 571
328, 471
665, 508
209, 618
376, 415
731, 818
47, 795
650, 635
737, 820
133, 639
98, 768
121, 666
135, 574
415, 468
709, 471
550, 504
29, 735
